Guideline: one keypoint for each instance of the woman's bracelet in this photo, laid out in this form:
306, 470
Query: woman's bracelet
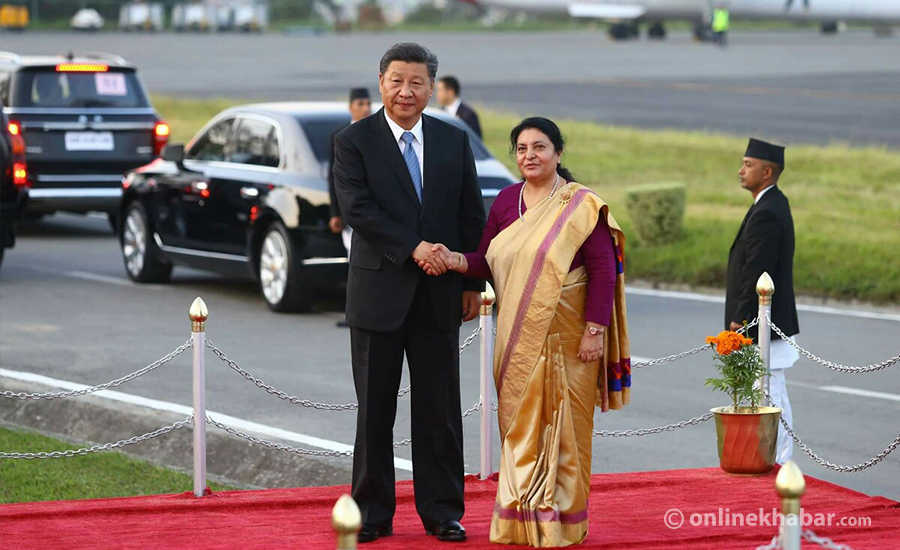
459, 260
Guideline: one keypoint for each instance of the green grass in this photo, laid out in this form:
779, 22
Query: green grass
98, 475
845, 201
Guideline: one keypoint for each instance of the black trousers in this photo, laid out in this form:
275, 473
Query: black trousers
437, 446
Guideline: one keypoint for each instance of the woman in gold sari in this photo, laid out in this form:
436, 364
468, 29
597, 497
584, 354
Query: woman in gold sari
555, 256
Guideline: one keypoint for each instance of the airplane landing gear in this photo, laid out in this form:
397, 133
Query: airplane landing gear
656, 31
624, 31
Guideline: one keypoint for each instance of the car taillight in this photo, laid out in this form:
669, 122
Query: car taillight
14, 128
160, 137
20, 174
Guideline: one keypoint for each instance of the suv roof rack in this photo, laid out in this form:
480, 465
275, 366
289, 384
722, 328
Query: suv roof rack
95, 55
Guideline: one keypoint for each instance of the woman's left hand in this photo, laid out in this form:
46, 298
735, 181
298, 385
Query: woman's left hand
591, 348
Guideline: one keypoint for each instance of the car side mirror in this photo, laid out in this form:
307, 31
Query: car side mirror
173, 153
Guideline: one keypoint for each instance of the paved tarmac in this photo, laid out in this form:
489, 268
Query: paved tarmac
68, 311
789, 86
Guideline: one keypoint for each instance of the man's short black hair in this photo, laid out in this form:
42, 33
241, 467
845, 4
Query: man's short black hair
452, 83
409, 52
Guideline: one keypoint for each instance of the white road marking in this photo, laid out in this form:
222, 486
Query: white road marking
97, 278
237, 423
800, 307
862, 393
847, 391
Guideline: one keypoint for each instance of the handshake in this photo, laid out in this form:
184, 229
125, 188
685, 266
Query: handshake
437, 259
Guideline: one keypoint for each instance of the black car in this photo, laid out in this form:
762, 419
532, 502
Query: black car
86, 119
249, 196
13, 182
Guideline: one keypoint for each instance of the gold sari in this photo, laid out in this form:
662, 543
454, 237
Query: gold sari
546, 393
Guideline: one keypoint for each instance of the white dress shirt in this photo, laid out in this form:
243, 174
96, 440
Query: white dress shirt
417, 144
453, 108
761, 193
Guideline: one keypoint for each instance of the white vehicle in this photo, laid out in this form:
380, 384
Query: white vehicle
198, 17
140, 16
251, 17
86, 20
625, 14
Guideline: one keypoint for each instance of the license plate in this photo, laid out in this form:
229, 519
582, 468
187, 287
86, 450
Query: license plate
89, 141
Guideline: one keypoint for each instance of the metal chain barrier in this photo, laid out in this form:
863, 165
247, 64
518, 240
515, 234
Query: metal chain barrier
688, 353
277, 446
837, 467
93, 389
833, 366
108, 447
271, 390
825, 542
278, 393
774, 545
649, 431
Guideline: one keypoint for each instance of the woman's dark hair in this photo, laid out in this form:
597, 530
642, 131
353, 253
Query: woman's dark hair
409, 52
548, 128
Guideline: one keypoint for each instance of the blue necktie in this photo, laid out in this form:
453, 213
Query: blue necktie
412, 163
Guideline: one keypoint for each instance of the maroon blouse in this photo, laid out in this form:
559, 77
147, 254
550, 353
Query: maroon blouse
596, 254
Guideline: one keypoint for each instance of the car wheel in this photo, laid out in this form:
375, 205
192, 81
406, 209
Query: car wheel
143, 259
282, 277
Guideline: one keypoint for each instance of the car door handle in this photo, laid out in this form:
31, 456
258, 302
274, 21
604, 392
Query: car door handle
249, 192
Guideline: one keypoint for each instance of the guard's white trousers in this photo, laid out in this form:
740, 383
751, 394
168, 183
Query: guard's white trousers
779, 393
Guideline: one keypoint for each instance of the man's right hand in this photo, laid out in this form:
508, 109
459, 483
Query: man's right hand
335, 224
426, 253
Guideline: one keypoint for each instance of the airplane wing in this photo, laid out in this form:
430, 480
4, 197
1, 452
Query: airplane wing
606, 11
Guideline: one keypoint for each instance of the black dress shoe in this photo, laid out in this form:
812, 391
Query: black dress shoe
448, 531
369, 532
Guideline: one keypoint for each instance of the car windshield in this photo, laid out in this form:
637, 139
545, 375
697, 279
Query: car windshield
47, 87
320, 130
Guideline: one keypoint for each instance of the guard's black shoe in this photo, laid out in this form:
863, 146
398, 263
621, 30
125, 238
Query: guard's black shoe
448, 531
368, 533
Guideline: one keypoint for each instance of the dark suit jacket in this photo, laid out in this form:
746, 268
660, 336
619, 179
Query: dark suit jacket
470, 117
378, 200
765, 242
335, 206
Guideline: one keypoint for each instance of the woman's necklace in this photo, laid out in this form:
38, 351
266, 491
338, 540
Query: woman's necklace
522, 196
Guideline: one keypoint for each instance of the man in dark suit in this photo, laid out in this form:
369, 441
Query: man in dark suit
448, 96
360, 108
765, 243
405, 181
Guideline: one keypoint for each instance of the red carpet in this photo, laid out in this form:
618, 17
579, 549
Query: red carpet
627, 511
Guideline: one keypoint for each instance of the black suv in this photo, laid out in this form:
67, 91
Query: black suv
86, 119
13, 182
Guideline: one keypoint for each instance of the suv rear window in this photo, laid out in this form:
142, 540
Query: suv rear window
47, 87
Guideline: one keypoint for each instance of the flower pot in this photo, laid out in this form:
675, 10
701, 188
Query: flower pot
747, 439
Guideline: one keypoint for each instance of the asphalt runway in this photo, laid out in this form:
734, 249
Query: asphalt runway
788, 86
68, 311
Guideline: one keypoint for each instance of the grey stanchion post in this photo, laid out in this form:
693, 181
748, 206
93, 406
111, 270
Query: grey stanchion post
487, 382
198, 314
765, 288
790, 486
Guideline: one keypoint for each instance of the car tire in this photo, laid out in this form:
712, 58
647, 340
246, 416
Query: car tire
283, 280
144, 262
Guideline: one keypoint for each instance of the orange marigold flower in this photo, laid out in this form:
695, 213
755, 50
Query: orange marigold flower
728, 341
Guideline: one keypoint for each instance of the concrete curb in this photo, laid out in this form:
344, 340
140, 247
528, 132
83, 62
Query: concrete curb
91, 420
